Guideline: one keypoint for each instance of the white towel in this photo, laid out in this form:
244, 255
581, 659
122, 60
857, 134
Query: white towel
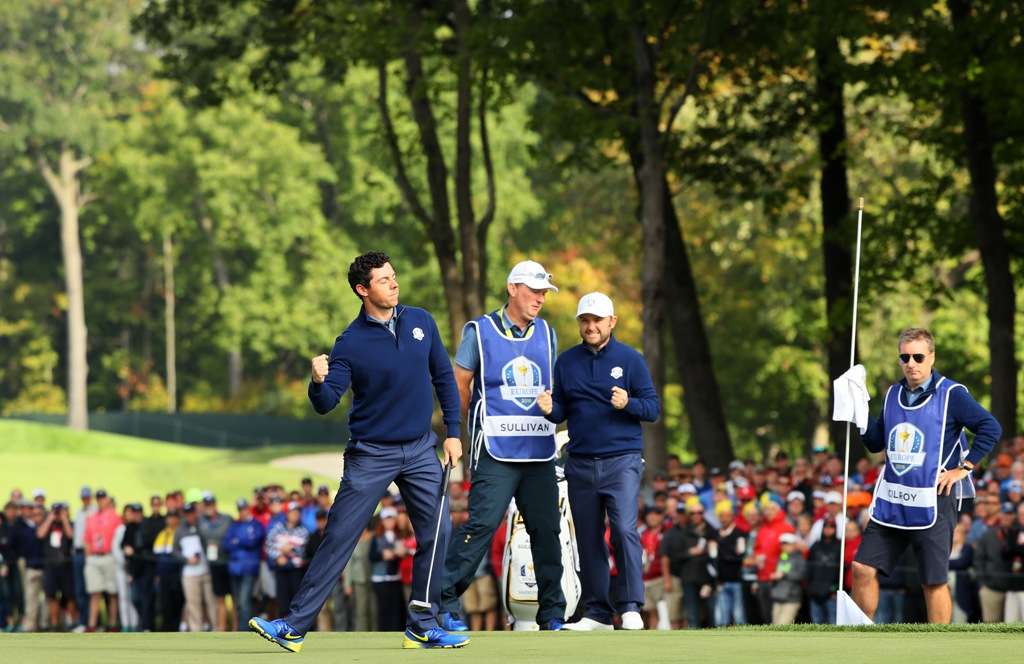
850, 392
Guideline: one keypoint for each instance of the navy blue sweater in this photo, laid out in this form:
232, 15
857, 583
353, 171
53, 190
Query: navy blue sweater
582, 394
963, 413
393, 377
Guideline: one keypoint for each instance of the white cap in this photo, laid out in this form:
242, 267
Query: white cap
796, 495
531, 274
788, 538
736, 465
388, 512
833, 498
686, 487
38, 493
819, 495
595, 304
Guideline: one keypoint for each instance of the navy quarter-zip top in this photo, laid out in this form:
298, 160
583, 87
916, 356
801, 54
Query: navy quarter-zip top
393, 378
582, 394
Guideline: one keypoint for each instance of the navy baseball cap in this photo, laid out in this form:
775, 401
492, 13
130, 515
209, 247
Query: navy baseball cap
85, 492
241, 503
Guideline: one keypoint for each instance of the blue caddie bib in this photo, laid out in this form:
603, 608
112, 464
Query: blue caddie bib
906, 494
513, 372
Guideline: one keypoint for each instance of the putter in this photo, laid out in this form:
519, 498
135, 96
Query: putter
425, 602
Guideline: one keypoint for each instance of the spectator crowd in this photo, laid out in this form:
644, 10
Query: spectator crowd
745, 544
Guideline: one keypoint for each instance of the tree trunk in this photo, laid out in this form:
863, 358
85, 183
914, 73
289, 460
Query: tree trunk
169, 321
838, 235
989, 229
701, 397
651, 180
439, 227
463, 163
222, 279
65, 187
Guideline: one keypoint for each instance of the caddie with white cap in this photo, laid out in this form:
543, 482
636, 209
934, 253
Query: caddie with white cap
504, 362
604, 389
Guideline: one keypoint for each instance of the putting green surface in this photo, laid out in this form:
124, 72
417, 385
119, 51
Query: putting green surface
727, 645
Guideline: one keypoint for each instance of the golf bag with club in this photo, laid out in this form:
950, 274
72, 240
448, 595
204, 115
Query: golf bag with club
518, 581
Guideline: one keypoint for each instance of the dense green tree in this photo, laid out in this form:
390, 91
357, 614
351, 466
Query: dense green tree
64, 69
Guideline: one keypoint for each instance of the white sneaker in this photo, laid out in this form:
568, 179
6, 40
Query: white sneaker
632, 620
588, 625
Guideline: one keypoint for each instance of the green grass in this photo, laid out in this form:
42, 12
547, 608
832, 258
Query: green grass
59, 461
797, 644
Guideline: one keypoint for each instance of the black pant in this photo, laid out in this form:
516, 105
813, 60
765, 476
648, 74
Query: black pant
390, 606
495, 483
288, 581
172, 600
764, 601
146, 584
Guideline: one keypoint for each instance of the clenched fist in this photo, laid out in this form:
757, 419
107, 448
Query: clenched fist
319, 368
544, 402
619, 397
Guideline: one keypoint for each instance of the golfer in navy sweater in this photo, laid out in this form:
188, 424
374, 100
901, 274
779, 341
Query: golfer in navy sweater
393, 358
604, 389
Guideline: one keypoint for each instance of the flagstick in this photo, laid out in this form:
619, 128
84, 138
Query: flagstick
853, 349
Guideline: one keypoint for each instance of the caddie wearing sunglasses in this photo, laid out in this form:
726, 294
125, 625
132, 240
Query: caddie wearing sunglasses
928, 466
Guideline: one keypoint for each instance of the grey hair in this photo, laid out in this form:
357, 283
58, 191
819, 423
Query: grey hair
916, 334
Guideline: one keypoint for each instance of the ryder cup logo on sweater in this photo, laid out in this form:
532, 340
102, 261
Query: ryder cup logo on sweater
521, 378
616, 372
906, 447
417, 334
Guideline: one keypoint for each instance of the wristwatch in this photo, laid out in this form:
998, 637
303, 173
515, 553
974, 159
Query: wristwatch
967, 465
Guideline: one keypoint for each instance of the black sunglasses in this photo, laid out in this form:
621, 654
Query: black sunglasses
918, 357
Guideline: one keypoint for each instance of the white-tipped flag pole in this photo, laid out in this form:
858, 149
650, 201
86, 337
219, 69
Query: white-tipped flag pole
847, 611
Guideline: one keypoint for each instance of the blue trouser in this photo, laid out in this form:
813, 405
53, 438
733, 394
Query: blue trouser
823, 610
890, 606
600, 487
369, 469
729, 604
495, 483
241, 595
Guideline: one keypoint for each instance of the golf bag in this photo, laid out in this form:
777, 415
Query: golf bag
518, 581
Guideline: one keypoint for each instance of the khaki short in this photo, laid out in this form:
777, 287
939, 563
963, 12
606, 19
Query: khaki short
481, 596
675, 600
654, 592
101, 574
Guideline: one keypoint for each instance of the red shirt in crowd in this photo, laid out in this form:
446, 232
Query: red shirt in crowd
650, 540
405, 563
852, 544
767, 544
498, 547
99, 531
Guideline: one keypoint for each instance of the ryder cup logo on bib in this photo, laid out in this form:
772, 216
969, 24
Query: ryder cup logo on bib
906, 447
522, 382
417, 334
